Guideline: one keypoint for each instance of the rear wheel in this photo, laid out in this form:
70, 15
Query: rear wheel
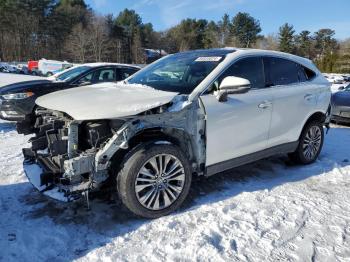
310, 144
154, 180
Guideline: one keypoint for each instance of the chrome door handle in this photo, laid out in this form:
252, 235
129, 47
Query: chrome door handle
265, 104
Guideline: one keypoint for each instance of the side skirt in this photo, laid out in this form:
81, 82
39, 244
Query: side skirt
242, 160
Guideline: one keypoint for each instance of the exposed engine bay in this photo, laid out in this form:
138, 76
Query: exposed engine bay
76, 157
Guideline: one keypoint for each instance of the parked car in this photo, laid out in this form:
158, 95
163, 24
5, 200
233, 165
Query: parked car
341, 106
17, 100
8, 68
195, 113
335, 79
50, 67
22, 69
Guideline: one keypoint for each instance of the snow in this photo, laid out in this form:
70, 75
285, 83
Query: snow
84, 103
7, 78
335, 87
266, 211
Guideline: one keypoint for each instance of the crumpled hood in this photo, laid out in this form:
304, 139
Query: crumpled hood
105, 101
8, 79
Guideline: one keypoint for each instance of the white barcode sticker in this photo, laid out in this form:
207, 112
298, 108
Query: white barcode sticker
208, 59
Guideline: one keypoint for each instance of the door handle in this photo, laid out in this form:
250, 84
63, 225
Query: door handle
308, 97
265, 104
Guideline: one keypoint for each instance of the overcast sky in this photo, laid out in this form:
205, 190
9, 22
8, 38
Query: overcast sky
303, 14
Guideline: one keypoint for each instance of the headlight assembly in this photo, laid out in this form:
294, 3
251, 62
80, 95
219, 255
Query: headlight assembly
17, 96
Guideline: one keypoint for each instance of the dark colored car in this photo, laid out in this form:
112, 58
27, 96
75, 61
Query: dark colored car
341, 106
17, 100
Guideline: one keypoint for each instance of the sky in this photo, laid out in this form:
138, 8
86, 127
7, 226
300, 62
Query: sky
302, 14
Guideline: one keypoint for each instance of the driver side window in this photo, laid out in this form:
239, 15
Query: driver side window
85, 79
250, 68
97, 76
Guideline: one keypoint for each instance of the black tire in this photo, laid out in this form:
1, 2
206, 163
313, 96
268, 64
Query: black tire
299, 155
129, 171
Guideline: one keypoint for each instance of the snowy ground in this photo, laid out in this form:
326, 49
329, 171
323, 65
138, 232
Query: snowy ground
265, 211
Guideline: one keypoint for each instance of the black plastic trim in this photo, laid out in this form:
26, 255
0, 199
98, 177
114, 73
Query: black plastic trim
239, 161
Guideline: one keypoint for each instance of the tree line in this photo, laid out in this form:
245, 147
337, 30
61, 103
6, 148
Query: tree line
71, 30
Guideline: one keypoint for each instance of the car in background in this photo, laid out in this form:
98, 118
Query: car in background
341, 106
50, 67
335, 79
22, 69
346, 78
17, 100
8, 68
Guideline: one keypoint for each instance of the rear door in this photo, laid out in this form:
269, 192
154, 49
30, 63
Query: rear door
294, 99
240, 125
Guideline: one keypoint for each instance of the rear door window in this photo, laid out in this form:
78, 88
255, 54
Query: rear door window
124, 73
281, 71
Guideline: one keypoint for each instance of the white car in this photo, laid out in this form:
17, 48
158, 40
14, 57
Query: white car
195, 113
51, 67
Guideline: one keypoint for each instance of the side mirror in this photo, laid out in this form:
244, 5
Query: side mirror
232, 85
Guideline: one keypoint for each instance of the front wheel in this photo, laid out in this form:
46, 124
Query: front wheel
310, 144
154, 180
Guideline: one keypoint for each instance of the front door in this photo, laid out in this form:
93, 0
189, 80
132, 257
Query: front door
239, 126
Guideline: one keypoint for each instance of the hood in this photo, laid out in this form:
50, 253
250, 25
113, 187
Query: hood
24, 86
8, 79
105, 101
341, 98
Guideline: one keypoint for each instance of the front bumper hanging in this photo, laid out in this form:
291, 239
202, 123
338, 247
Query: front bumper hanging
34, 173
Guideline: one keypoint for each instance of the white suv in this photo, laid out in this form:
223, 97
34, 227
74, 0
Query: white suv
193, 113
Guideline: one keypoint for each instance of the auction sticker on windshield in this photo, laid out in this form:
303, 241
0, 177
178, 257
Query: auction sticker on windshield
209, 59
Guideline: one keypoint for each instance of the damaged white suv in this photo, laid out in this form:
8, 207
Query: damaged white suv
192, 113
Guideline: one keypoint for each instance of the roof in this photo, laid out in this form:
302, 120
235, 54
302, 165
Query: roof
106, 64
209, 52
231, 50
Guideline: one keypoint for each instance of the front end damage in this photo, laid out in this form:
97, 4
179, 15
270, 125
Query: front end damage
70, 158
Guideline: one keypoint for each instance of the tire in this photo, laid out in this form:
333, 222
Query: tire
152, 194
310, 144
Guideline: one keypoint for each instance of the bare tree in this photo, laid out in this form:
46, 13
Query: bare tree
77, 44
99, 38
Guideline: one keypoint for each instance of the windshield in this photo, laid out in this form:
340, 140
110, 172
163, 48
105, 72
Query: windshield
180, 73
72, 73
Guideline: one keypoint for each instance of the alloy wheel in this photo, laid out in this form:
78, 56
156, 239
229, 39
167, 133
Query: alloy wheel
312, 142
160, 182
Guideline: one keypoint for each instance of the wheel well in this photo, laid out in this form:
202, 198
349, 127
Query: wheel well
318, 116
175, 136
